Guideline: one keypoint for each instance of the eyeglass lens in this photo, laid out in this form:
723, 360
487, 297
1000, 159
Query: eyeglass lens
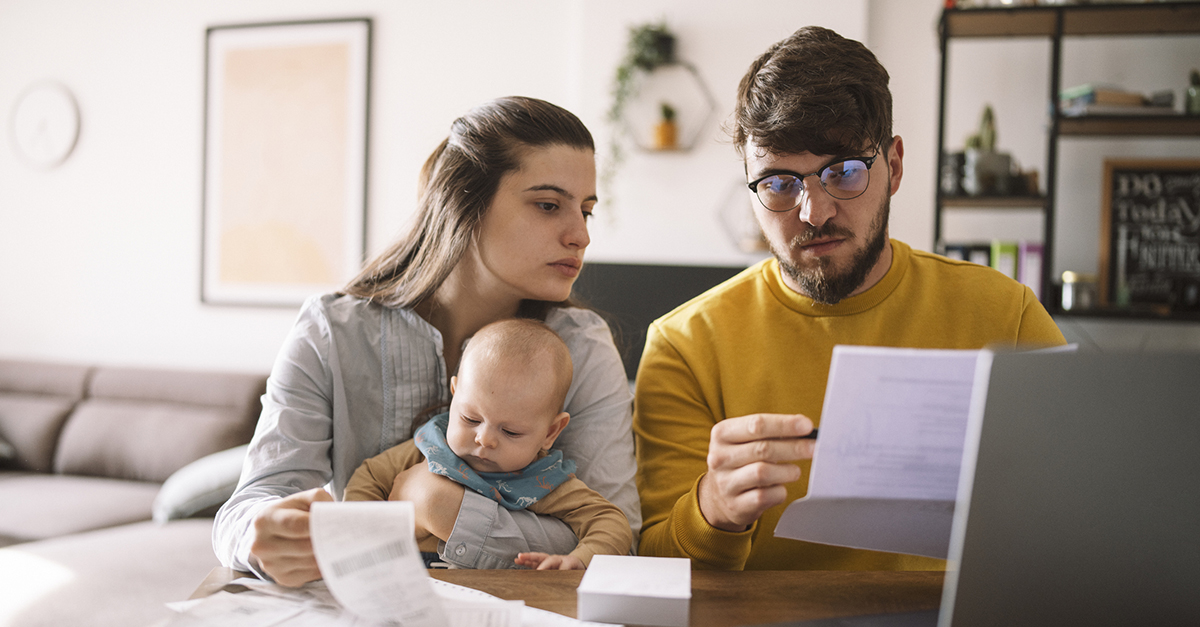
843, 180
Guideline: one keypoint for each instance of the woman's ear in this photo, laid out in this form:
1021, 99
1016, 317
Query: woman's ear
556, 426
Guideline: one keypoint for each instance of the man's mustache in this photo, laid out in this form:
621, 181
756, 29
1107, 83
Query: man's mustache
823, 231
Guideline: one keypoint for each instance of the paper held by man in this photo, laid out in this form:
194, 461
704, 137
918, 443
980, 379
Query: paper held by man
886, 468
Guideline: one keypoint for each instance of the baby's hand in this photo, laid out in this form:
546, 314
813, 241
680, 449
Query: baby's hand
543, 561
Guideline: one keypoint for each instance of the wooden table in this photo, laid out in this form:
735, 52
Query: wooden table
719, 599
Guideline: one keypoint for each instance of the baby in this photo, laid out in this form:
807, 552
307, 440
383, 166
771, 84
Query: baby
505, 414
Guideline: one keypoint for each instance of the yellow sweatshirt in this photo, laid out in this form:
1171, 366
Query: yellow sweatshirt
752, 345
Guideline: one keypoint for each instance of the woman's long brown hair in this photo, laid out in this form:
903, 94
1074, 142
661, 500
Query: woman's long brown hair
457, 185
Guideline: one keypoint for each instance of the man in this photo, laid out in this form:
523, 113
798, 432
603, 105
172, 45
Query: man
731, 381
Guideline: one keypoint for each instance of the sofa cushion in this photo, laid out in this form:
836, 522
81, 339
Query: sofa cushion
146, 424
222, 389
35, 398
144, 441
31, 424
7, 452
201, 487
39, 505
43, 378
121, 576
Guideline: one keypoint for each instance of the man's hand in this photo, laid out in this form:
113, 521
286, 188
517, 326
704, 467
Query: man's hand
543, 561
282, 544
749, 463
436, 499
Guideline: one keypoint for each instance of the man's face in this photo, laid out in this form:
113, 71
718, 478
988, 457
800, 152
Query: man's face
829, 249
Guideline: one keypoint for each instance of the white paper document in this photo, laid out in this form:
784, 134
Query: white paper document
368, 557
373, 576
886, 467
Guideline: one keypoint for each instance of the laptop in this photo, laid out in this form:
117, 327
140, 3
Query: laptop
1080, 497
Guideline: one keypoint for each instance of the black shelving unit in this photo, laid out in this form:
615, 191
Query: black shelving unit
1057, 23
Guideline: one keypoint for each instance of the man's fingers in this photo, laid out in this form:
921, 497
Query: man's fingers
733, 456
761, 426
752, 503
756, 476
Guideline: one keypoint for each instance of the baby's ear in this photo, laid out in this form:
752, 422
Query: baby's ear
556, 426
453, 383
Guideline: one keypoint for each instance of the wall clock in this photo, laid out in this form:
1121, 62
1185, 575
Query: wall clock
45, 124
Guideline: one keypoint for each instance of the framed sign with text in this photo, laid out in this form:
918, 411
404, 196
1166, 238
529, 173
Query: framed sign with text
1150, 235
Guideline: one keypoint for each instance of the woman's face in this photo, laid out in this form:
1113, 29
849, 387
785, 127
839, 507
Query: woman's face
531, 242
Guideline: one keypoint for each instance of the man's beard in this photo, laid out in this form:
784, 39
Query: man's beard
824, 286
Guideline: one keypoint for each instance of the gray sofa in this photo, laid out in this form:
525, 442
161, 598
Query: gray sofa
108, 481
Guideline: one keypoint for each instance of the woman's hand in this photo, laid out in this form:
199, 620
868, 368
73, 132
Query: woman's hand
436, 499
543, 561
282, 545
749, 464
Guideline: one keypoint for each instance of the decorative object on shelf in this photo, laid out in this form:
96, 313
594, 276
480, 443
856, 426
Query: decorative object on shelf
649, 46
45, 124
649, 78
1193, 95
1103, 99
285, 160
985, 171
1078, 291
951, 176
666, 134
1150, 235
736, 215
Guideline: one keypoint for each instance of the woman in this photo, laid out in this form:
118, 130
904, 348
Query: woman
500, 231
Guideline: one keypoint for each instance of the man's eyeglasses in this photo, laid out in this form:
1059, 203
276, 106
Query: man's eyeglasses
845, 180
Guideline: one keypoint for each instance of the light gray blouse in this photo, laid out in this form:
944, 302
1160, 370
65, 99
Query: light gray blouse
348, 382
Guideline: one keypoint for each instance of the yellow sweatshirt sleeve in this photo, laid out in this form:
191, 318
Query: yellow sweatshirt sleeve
672, 423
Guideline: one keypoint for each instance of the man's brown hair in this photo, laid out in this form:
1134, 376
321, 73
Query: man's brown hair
815, 92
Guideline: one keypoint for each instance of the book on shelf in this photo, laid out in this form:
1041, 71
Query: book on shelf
1004, 257
1094, 93
975, 252
1098, 99
1020, 260
1029, 265
1081, 110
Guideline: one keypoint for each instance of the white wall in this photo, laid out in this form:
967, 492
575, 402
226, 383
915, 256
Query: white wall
99, 258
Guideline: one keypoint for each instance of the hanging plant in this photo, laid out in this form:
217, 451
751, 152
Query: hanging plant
649, 47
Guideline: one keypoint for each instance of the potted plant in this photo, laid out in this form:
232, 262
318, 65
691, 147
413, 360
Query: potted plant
650, 46
985, 171
665, 133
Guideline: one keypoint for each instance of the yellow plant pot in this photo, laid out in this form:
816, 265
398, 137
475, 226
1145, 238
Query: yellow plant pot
665, 135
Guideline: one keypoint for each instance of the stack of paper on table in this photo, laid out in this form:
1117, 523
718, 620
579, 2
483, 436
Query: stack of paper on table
637, 590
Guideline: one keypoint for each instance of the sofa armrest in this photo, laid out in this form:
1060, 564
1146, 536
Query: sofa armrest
201, 487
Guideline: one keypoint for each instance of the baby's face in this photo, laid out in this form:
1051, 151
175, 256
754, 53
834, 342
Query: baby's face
499, 420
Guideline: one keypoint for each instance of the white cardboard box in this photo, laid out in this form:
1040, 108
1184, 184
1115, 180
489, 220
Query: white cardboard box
636, 590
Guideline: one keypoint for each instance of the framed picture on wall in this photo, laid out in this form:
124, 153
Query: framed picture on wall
1150, 235
285, 160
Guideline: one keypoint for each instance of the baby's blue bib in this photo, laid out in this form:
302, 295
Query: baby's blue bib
513, 490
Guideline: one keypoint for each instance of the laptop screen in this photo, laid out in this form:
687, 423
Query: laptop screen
1084, 506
